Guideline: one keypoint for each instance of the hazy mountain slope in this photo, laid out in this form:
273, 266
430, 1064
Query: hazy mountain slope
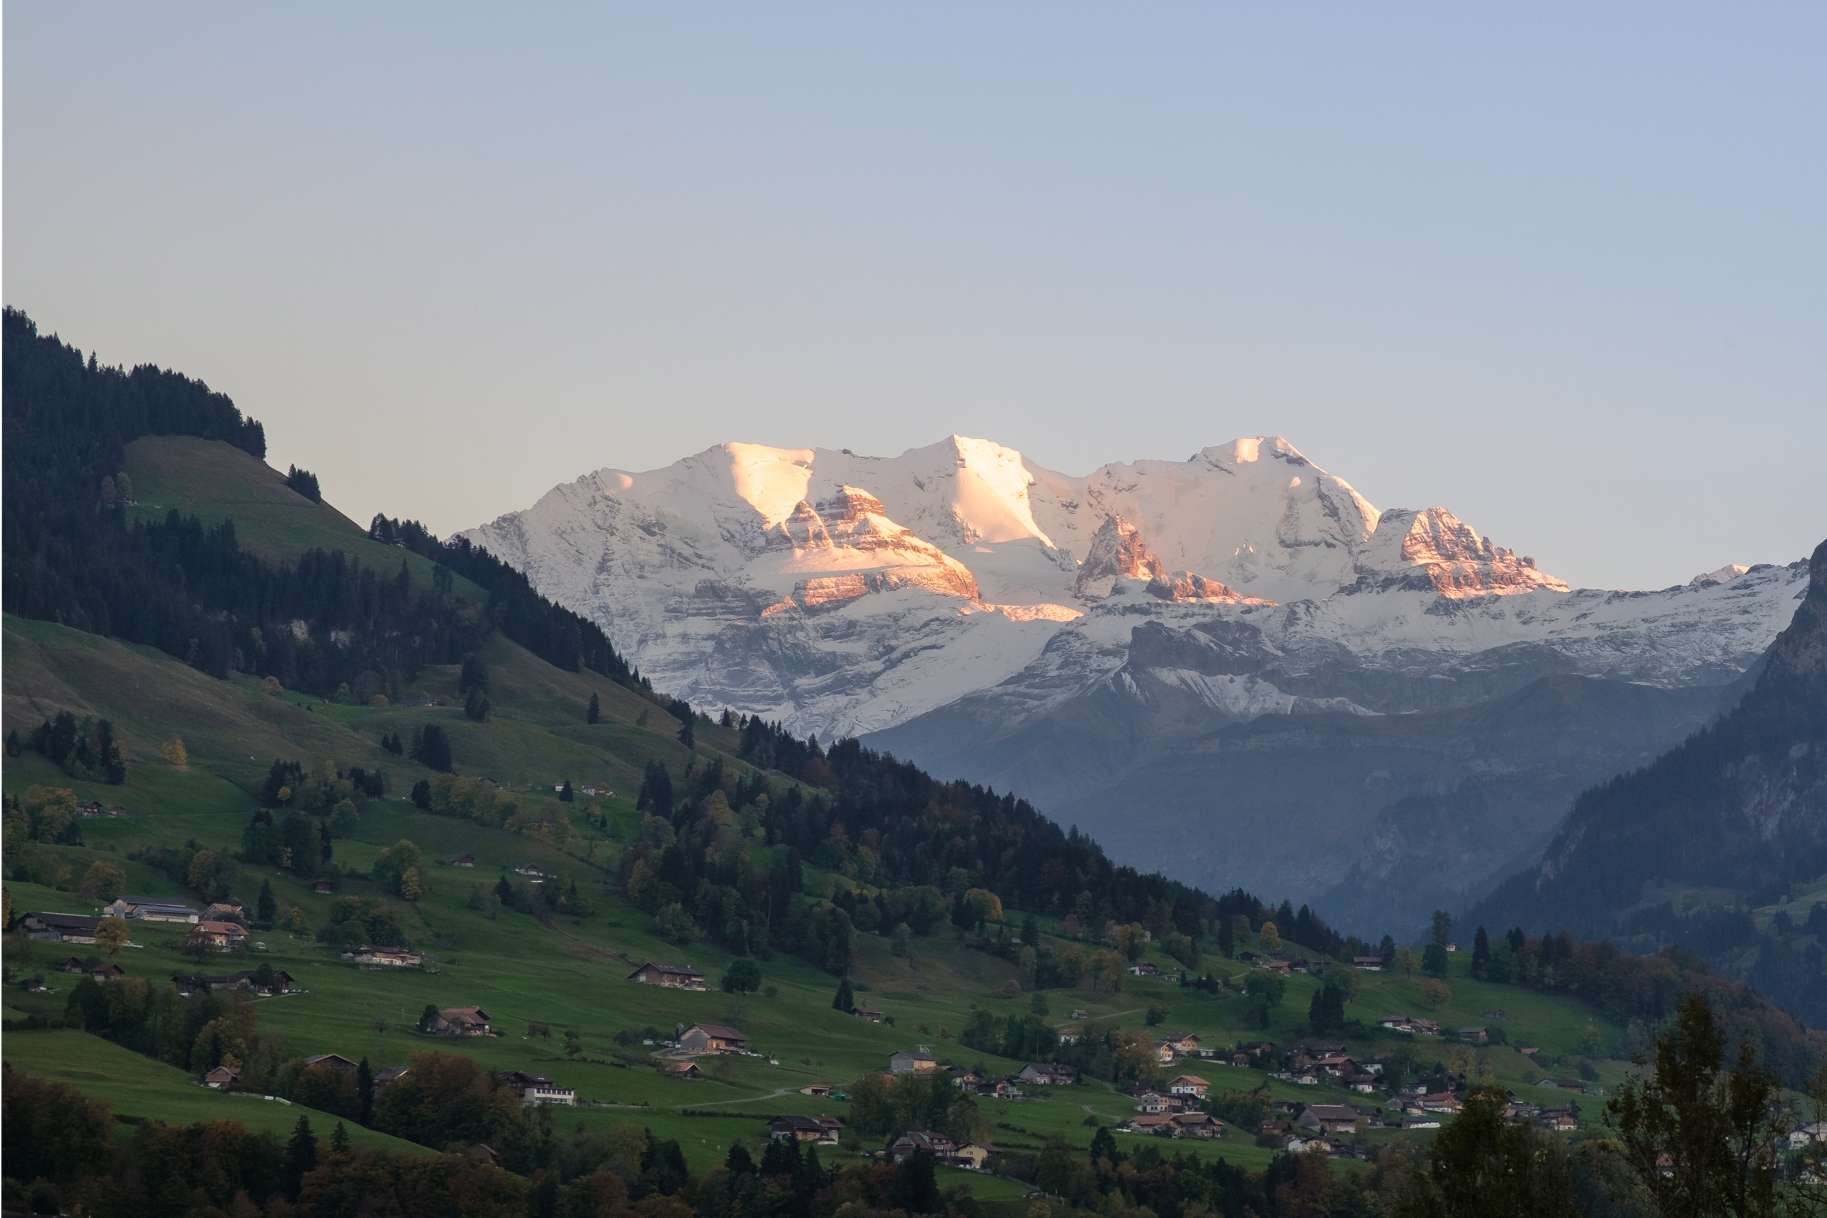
1734, 818
1125, 644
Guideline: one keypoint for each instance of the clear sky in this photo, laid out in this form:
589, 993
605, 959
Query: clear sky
1560, 268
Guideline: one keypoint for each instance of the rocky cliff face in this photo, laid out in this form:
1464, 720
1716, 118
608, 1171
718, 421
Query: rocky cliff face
1731, 820
1200, 641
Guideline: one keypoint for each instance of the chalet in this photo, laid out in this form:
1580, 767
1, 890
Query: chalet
1144, 969
1439, 1101
390, 1075
258, 981
972, 1156
96, 969
911, 1143
1283, 967
868, 1014
1071, 1035
712, 1038
1189, 1084
1154, 1103
221, 1078
1053, 1075
816, 1090
1308, 1146
968, 1081
59, 928
1803, 1136
1196, 1125
669, 976
912, 1061
536, 1088
1005, 1089
1330, 1119
1151, 1123
1474, 1036
384, 957
820, 1130
680, 1069
225, 911
1165, 1053
532, 874
460, 1021
460, 860
1409, 1026
335, 1062
1560, 1120
90, 809
144, 909
1186, 1043
1367, 964
323, 888
219, 936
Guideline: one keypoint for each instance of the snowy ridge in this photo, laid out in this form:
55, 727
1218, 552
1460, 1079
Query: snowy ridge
844, 594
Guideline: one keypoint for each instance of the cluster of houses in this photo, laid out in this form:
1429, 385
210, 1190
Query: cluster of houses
1173, 1111
968, 1155
99, 970
1007, 1087
266, 982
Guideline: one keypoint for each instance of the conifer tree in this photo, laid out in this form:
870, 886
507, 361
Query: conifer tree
844, 1000
594, 713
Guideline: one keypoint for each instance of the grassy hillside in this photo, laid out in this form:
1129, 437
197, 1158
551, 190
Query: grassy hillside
568, 975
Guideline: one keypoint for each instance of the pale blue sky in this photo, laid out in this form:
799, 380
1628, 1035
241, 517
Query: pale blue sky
1560, 268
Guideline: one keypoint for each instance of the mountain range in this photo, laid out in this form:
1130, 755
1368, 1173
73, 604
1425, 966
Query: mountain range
1234, 668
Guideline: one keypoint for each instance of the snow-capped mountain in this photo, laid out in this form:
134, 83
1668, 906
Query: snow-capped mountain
1138, 642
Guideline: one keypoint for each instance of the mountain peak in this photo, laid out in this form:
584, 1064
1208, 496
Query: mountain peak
1246, 450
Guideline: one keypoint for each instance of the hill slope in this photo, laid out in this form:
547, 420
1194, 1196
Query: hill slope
1686, 849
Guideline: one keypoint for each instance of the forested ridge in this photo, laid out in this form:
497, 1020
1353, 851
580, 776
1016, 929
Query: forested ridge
75, 555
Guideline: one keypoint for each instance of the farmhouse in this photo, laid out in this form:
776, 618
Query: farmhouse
1196, 1125
460, 860
1367, 964
1054, 1075
1186, 1043
685, 1069
912, 1061
1189, 1084
1560, 1120
221, 1077
226, 911
59, 928
911, 1143
1330, 1118
670, 976
460, 1021
268, 981
220, 936
145, 909
1144, 969
868, 1014
972, 1156
1154, 1103
1474, 1036
820, 1130
1157, 1123
93, 968
392, 1074
323, 888
712, 1038
384, 957
331, 1061
536, 1088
